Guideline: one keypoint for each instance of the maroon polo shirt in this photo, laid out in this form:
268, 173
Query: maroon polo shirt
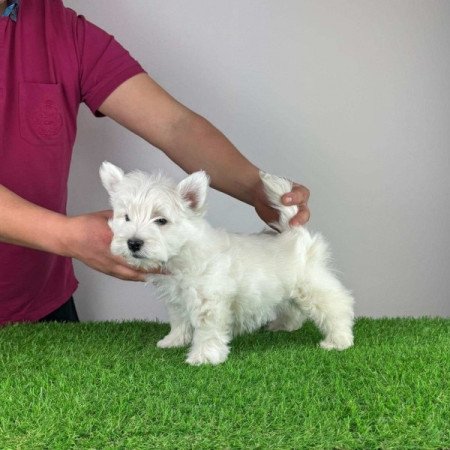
51, 60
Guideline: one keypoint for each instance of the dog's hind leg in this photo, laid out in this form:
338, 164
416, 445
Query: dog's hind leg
322, 297
331, 309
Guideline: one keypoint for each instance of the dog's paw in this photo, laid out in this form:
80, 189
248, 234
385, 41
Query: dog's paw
173, 340
207, 355
337, 343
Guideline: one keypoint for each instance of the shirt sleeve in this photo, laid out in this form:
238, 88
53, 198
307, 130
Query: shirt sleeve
104, 64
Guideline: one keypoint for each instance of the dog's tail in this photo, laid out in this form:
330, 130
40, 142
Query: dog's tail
275, 187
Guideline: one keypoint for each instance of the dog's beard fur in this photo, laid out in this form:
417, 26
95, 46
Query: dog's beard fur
222, 284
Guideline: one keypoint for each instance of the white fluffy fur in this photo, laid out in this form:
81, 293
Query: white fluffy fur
223, 284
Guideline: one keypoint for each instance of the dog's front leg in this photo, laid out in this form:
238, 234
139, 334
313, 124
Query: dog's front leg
212, 333
180, 329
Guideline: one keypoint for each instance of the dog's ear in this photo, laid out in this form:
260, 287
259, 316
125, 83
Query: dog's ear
111, 176
193, 189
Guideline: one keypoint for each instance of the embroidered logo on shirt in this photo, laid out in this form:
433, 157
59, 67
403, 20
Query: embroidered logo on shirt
46, 119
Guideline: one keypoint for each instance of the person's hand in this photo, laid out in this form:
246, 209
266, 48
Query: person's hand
88, 239
298, 196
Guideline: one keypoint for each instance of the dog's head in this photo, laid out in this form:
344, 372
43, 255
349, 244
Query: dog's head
153, 216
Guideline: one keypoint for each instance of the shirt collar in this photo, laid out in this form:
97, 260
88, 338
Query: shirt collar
11, 10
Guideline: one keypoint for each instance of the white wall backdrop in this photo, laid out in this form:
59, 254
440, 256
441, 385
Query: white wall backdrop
350, 98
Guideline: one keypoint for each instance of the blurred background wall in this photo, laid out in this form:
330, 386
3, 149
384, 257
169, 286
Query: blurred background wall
349, 98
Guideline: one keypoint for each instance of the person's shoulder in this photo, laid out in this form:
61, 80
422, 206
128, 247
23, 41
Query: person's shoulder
65, 13
61, 15
62, 20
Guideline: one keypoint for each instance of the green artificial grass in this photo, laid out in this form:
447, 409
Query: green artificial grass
106, 386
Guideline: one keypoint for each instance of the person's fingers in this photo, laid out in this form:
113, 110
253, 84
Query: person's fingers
301, 217
299, 195
128, 274
157, 271
107, 213
137, 271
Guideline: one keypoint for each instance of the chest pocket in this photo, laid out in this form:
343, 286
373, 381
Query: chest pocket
41, 112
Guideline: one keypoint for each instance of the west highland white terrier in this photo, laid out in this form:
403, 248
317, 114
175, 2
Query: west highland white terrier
222, 284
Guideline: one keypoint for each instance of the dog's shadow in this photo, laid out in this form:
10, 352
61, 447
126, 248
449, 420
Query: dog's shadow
265, 340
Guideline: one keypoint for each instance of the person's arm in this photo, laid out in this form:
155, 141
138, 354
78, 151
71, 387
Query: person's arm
143, 107
85, 237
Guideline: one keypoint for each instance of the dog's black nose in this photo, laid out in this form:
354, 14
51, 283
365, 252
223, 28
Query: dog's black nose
135, 244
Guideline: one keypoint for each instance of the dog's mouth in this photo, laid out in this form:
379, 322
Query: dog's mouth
137, 256
144, 262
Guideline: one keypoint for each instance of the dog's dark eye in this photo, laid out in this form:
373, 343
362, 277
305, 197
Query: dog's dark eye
127, 219
161, 221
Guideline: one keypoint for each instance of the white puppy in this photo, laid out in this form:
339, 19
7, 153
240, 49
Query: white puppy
223, 284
